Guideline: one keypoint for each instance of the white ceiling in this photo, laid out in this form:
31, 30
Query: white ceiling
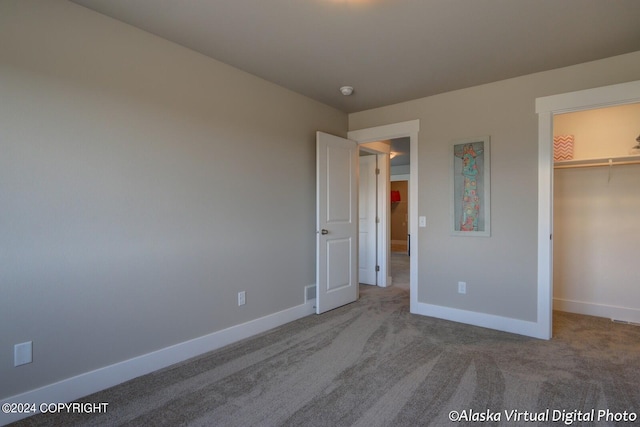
389, 50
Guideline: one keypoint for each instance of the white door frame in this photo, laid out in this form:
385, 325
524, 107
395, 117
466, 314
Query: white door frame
381, 133
383, 207
547, 107
368, 212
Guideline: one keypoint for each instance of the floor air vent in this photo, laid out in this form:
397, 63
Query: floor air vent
310, 292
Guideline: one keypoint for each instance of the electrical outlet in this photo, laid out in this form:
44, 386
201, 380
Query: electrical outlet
23, 353
242, 298
462, 287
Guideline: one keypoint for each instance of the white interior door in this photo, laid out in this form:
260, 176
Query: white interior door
367, 220
337, 222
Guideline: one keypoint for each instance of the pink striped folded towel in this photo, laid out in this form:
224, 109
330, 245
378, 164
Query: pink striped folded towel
562, 147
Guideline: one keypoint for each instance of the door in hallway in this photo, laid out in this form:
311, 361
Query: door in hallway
368, 220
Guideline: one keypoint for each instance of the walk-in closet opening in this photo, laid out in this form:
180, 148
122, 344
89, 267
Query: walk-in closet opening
596, 203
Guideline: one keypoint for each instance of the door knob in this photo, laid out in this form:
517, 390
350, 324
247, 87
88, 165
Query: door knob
324, 231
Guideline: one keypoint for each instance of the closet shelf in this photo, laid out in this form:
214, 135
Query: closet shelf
601, 161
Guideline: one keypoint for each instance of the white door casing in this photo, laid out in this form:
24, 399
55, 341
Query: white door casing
386, 132
367, 220
547, 107
337, 222
381, 149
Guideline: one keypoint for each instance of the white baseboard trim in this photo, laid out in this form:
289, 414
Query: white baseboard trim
600, 310
87, 383
399, 242
500, 323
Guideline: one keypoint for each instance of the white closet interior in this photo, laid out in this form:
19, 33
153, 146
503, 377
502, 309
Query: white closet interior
596, 220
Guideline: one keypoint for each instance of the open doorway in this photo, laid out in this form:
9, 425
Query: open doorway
399, 262
408, 130
547, 107
384, 213
595, 204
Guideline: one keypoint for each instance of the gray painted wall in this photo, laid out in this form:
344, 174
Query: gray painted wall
500, 271
142, 185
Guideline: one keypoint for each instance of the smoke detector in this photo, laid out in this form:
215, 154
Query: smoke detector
346, 90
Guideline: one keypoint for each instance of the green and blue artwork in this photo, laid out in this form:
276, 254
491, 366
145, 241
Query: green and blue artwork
469, 186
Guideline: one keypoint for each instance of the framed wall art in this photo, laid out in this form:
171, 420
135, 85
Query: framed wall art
471, 187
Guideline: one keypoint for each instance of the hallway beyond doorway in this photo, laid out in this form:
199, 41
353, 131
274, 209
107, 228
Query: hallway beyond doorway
400, 269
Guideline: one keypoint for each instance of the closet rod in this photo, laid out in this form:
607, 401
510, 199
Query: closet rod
591, 165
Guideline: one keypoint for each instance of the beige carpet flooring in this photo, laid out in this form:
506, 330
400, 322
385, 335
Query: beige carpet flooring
372, 363
400, 269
